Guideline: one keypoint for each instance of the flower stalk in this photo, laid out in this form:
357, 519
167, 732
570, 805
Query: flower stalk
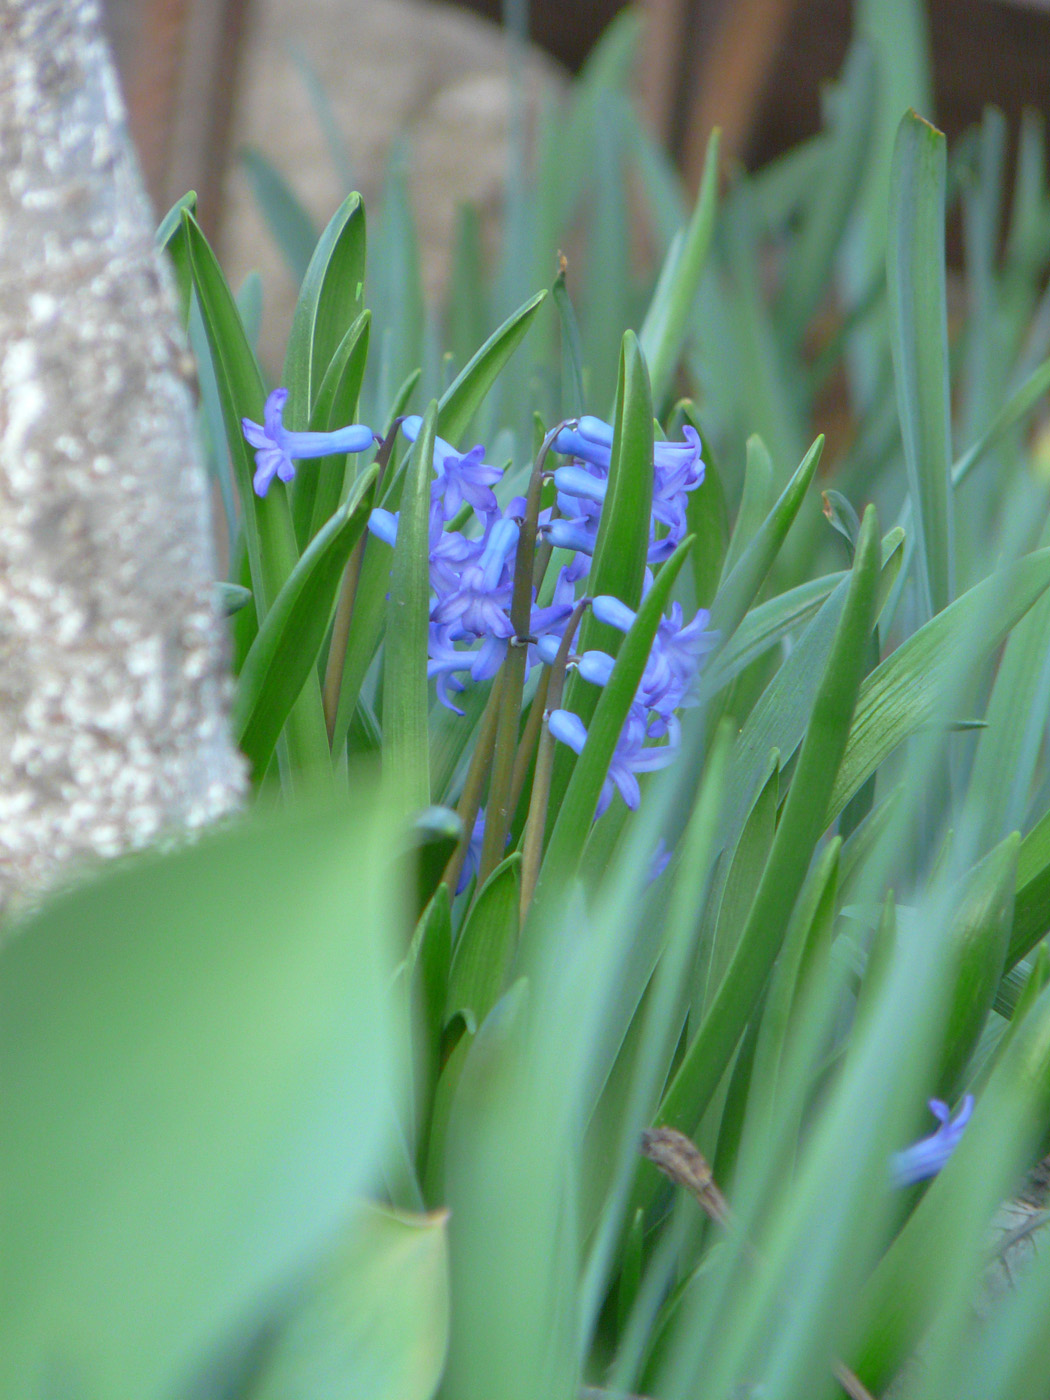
497, 811
536, 825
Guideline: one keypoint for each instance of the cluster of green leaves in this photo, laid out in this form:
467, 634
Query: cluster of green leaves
285, 1117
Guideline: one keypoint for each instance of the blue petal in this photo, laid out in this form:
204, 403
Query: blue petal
569, 728
609, 609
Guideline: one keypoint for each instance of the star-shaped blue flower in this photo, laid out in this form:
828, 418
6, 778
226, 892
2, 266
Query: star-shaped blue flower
276, 449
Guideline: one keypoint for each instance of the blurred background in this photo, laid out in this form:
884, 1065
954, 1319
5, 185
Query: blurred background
225, 96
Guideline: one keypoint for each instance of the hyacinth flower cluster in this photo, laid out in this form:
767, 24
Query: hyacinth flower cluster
472, 575
471, 579
473, 546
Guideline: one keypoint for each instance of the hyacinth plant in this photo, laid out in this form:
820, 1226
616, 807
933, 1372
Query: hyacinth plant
697, 835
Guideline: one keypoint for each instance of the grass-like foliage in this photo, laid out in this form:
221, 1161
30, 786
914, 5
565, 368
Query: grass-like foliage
421, 1079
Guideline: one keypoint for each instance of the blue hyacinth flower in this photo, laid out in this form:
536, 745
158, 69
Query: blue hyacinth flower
926, 1157
276, 448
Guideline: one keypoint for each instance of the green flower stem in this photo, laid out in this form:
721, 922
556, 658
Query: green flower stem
470, 799
333, 676
536, 826
529, 739
497, 809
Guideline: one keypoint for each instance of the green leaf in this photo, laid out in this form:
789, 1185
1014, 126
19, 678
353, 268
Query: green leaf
576, 811
618, 566
1017, 407
329, 337
171, 237
737, 592
319, 487
767, 623
430, 958
370, 607
434, 836
779, 719
707, 520
571, 350
466, 310
267, 522
1008, 751
977, 940
232, 597
328, 304
406, 702
951, 1220
464, 396
832, 193
801, 824
195, 1060
373, 1321
291, 226
1032, 901
284, 653
740, 883
755, 503
901, 695
806, 942
623, 530
485, 948
919, 321
674, 300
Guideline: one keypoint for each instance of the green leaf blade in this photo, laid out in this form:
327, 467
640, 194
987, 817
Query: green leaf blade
915, 273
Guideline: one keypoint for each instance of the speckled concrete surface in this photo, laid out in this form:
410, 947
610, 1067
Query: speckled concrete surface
113, 683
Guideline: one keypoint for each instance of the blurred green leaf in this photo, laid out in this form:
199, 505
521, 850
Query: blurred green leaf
803, 819
1017, 407
978, 936
768, 623
667, 320
755, 504
573, 397
195, 1065
231, 597
902, 693
738, 590
919, 318
832, 192
291, 226
806, 941
1032, 903
464, 396
952, 1219
373, 1320
744, 872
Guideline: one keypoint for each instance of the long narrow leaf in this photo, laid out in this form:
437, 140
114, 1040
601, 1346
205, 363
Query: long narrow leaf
919, 318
